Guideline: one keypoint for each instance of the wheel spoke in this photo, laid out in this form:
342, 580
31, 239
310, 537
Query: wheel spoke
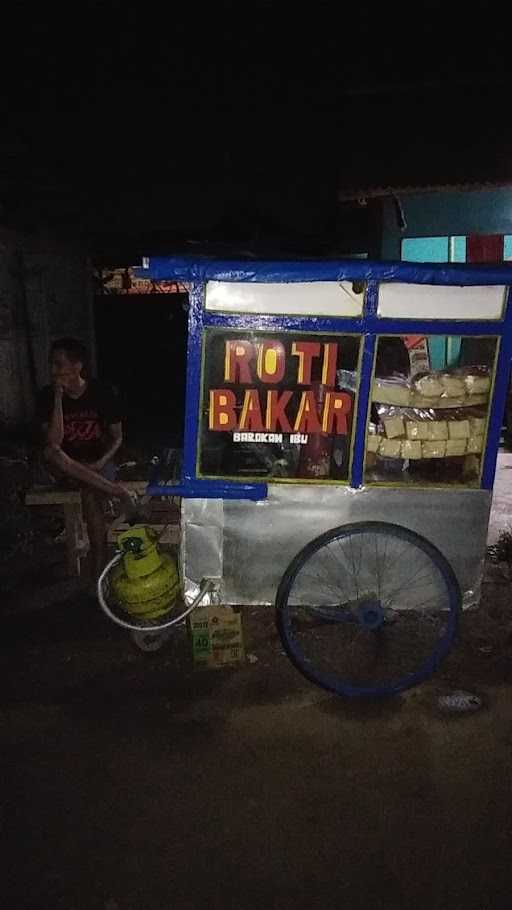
377, 566
341, 562
407, 584
398, 559
354, 568
321, 581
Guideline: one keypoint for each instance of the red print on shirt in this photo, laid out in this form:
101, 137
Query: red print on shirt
82, 426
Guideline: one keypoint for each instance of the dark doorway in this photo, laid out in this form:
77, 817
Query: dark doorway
141, 350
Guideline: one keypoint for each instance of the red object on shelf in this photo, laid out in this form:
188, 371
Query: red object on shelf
315, 454
412, 341
484, 248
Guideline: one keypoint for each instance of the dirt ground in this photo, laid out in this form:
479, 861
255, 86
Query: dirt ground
136, 782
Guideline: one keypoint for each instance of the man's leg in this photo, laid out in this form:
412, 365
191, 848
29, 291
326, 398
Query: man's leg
94, 486
94, 517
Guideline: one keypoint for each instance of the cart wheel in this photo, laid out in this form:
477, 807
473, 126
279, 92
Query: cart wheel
368, 610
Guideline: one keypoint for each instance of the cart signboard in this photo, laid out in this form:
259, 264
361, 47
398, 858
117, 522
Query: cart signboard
277, 404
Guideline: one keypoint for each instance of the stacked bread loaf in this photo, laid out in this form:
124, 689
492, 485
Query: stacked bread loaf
437, 415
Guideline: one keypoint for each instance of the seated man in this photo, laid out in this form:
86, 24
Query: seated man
82, 432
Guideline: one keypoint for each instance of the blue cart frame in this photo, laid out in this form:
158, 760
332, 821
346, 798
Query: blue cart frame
369, 325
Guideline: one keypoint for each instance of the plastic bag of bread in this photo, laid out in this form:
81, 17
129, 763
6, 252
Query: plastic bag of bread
392, 391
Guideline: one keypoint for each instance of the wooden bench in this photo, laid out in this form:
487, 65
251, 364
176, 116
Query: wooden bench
71, 502
163, 517
76, 535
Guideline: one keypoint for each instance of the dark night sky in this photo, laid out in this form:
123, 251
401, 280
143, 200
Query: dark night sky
183, 121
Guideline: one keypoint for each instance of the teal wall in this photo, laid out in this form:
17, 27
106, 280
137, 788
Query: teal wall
434, 249
446, 214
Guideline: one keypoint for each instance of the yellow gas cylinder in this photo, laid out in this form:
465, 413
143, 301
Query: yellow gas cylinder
144, 582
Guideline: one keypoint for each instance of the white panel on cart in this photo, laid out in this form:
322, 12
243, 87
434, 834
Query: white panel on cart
312, 298
426, 301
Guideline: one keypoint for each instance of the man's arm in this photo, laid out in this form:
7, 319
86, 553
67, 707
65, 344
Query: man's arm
83, 473
115, 432
55, 428
86, 474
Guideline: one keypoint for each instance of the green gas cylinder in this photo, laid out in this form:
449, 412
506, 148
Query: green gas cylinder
144, 582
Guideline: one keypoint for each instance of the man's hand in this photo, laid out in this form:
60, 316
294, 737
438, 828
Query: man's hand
98, 465
128, 498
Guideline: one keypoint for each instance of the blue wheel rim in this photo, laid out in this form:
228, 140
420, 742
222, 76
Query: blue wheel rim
344, 686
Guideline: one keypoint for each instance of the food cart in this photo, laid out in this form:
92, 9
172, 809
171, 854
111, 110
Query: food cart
342, 428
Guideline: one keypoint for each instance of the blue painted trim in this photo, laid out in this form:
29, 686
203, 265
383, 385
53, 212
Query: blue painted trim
371, 301
498, 401
432, 327
283, 323
193, 391
210, 489
368, 325
365, 385
342, 326
191, 486
185, 268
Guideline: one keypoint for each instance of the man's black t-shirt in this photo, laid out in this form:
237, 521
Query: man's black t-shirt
85, 419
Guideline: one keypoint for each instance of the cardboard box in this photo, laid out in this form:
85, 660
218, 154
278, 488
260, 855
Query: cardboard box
217, 637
